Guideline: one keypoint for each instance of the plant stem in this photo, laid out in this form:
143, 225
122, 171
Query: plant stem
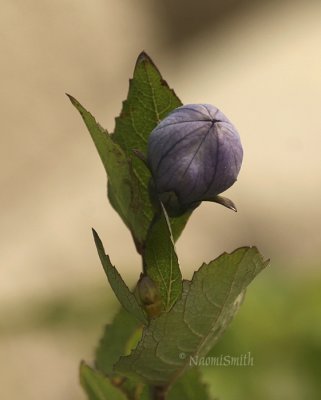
159, 392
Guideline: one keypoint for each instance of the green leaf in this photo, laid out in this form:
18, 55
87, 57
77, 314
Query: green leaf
216, 292
123, 189
146, 361
161, 261
119, 338
126, 298
189, 387
196, 321
99, 135
97, 386
149, 100
178, 224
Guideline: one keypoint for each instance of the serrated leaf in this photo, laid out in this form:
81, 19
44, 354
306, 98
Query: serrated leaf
216, 292
117, 340
149, 100
123, 189
126, 298
189, 387
99, 135
97, 386
196, 321
161, 261
149, 364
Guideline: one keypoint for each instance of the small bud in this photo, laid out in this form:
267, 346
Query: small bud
194, 152
149, 296
147, 290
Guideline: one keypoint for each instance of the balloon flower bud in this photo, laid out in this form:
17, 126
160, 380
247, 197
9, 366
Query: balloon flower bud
194, 153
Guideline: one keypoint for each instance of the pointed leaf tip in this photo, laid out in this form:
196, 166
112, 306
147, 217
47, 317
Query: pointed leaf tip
143, 56
72, 99
98, 242
94, 233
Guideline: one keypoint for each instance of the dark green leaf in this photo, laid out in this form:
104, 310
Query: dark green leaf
149, 100
154, 365
97, 386
196, 321
178, 224
118, 339
99, 135
161, 261
123, 188
217, 290
126, 298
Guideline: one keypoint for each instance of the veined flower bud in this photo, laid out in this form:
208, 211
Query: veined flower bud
194, 152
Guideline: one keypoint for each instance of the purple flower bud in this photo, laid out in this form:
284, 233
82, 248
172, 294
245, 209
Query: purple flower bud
194, 152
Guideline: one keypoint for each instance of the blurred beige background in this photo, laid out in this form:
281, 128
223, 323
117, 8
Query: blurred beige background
259, 62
